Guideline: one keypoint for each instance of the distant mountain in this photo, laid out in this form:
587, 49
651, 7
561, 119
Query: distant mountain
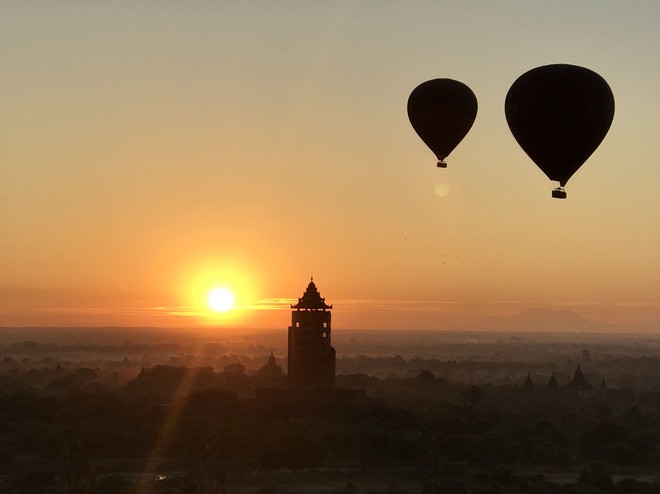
542, 320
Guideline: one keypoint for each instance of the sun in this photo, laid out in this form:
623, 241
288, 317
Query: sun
221, 299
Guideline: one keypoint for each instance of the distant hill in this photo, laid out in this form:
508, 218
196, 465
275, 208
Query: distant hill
542, 320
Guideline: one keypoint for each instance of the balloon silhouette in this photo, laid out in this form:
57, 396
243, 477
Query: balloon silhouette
442, 112
559, 114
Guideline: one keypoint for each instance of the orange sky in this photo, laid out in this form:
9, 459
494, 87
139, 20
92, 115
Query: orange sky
150, 152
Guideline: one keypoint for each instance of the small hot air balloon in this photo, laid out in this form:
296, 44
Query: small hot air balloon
442, 112
559, 114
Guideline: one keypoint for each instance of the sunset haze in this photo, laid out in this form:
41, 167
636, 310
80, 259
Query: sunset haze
153, 151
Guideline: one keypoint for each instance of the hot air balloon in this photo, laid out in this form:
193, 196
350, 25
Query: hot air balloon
559, 114
442, 112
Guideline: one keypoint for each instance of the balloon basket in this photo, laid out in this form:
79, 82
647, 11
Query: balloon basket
559, 193
442, 164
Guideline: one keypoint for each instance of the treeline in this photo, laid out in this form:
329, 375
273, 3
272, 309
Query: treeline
71, 424
39, 369
78, 427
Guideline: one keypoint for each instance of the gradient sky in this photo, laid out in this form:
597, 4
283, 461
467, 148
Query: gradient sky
150, 150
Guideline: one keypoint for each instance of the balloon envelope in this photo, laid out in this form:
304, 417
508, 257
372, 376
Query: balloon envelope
442, 112
559, 114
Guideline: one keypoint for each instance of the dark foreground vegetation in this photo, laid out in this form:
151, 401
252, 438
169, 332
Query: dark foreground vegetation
115, 427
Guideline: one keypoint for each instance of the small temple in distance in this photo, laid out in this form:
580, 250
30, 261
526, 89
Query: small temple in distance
311, 362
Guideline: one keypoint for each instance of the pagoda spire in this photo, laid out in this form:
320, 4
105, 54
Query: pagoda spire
311, 299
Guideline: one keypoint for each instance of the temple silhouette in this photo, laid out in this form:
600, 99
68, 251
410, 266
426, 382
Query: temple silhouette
311, 362
310, 378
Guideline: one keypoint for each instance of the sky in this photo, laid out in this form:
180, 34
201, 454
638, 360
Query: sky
153, 150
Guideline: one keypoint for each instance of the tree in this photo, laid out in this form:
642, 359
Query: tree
472, 396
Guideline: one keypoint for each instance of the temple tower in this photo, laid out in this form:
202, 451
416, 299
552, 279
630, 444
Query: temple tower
311, 362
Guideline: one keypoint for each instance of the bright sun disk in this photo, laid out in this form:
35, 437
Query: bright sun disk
221, 299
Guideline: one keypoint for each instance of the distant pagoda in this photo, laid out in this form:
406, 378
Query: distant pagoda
311, 363
579, 382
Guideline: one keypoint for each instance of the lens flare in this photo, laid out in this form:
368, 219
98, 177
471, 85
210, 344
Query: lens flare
441, 190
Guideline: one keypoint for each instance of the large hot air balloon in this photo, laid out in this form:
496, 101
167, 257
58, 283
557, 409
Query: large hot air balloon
442, 111
559, 114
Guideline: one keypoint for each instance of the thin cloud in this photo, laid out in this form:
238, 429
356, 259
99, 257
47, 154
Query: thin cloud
275, 303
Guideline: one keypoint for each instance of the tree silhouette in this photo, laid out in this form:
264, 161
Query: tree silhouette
472, 396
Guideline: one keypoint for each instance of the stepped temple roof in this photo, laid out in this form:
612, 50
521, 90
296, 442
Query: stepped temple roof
311, 299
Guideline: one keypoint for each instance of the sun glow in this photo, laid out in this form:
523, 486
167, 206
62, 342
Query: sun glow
221, 299
218, 291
